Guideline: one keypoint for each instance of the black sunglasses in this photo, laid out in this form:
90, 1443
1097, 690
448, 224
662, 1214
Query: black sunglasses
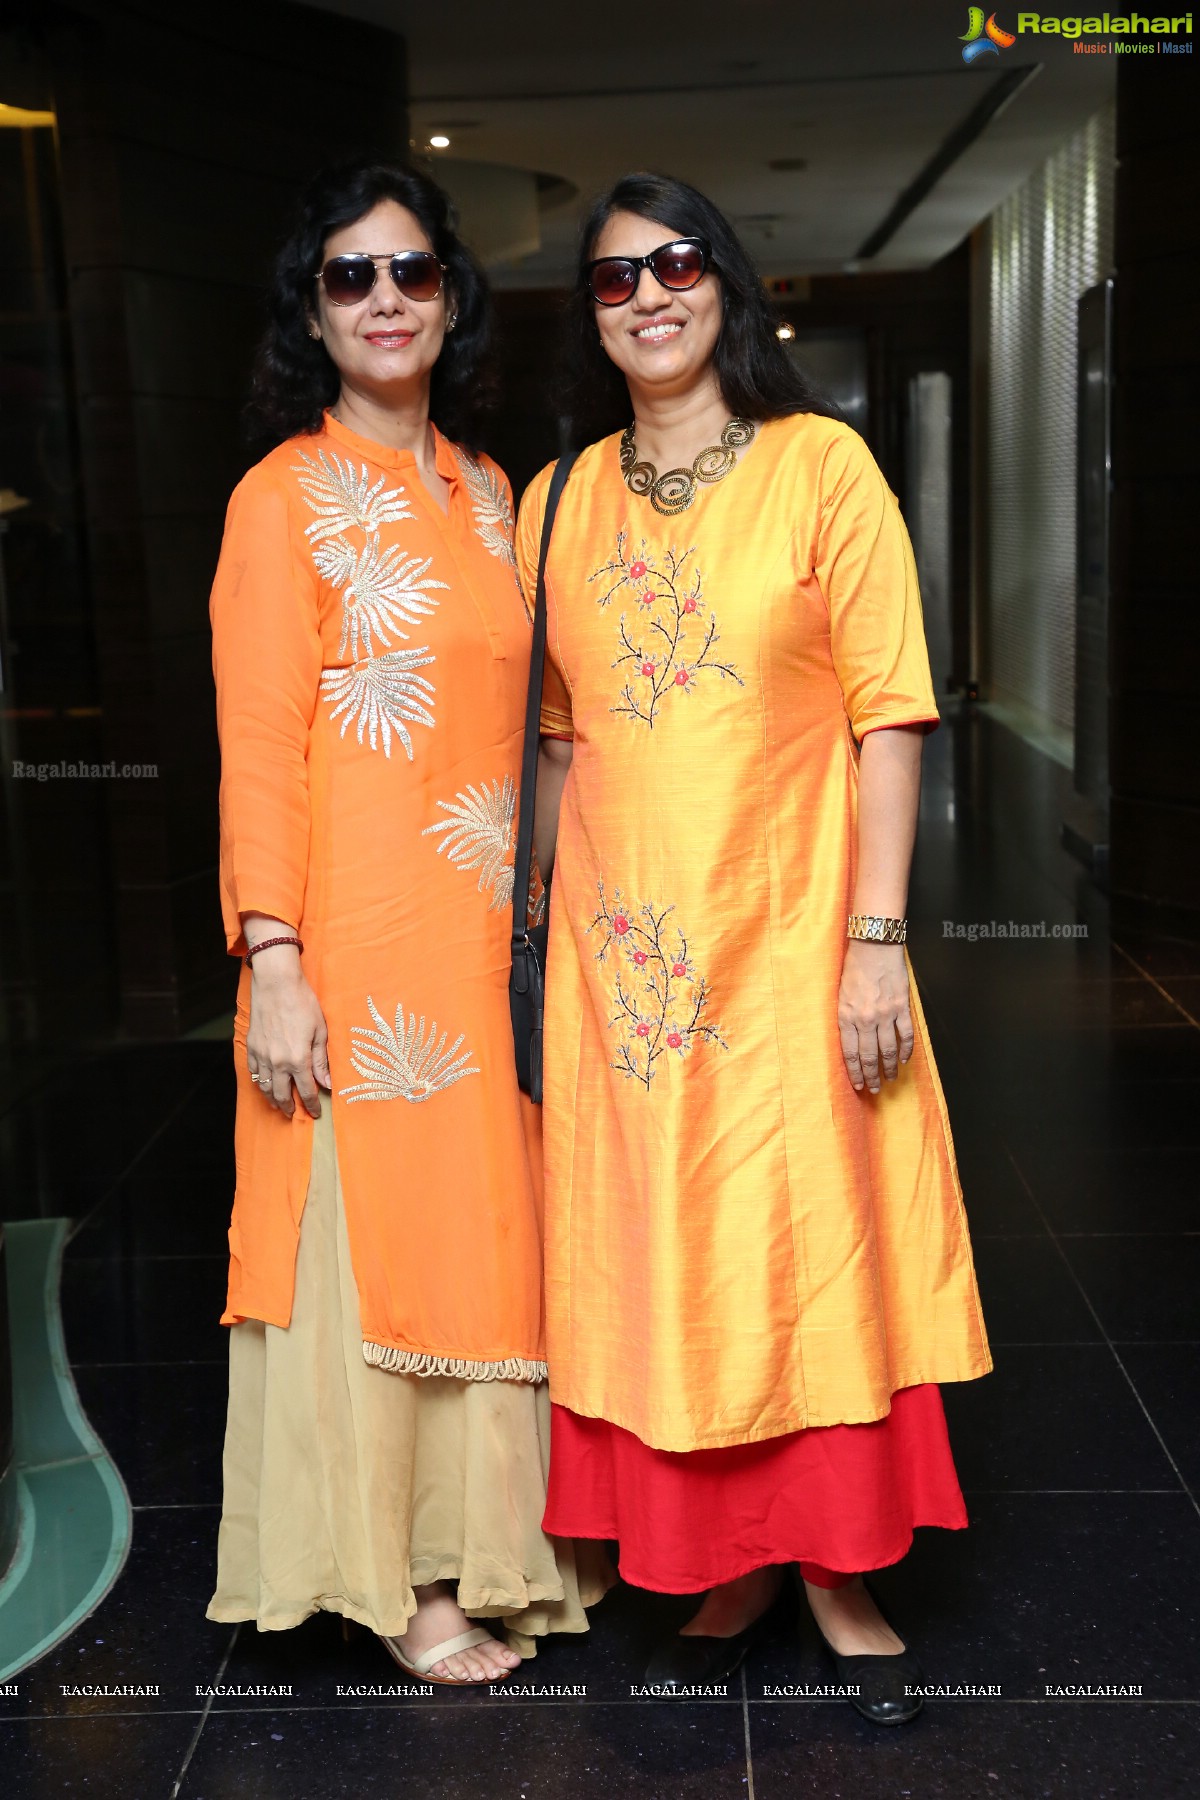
348, 279
679, 265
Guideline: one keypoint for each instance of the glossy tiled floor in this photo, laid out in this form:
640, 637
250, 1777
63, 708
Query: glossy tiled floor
1072, 1070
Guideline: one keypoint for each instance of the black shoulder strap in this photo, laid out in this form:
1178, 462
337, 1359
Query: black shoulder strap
533, 708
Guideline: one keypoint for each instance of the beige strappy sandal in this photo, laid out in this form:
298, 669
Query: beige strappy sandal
466, 1640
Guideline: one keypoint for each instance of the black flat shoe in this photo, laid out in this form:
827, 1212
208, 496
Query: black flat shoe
680, 1665
881, 1682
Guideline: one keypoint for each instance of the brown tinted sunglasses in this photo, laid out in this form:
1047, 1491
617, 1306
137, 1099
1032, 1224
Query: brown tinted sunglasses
679, 265
349, 279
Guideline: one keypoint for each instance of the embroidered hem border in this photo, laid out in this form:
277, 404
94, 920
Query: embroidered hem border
423, 1362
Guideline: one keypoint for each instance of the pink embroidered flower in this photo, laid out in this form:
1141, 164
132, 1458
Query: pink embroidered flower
665, 588
649, 1018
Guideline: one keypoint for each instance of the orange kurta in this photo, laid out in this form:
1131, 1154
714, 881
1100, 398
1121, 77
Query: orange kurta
371, 658
738, 1245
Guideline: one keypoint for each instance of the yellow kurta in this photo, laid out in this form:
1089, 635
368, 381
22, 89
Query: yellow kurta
738, 1245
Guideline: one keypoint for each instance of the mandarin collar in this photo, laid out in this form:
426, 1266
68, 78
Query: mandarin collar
387, 458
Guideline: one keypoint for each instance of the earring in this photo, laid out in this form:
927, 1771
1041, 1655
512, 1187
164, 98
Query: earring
452, 321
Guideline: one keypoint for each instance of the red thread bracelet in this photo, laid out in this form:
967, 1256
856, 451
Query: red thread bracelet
269, 944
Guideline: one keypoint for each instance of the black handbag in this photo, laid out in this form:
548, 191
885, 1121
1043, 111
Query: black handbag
526, 982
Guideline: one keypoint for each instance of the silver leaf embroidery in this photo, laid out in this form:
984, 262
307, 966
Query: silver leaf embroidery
491, 505
404, 1062
342, 498
382, 696
478, 835
380, 589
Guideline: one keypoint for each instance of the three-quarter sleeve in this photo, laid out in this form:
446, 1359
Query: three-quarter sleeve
863, 562
267, 666
556, 718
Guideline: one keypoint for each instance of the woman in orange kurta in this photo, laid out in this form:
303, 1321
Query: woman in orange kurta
388, 1417
758, 1264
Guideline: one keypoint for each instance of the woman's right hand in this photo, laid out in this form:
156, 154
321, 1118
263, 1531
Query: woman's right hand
287, 1042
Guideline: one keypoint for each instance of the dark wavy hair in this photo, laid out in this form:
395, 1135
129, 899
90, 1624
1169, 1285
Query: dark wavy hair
758, 378
294, 378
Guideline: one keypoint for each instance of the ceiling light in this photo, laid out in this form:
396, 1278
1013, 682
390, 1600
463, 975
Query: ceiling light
788, 164
785, 332
439, 141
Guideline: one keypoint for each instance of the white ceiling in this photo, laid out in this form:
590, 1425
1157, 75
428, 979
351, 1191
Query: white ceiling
713, 90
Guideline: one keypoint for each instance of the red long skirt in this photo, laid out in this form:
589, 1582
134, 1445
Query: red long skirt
843, 1497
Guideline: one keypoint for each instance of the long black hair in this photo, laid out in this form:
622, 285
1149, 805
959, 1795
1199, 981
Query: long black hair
294, 378
758, 378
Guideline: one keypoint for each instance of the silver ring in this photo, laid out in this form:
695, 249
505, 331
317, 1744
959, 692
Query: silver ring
263, 1080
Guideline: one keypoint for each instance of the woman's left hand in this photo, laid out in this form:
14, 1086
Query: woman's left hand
874, 1021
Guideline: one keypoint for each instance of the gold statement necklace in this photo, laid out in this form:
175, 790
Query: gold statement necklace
675, 491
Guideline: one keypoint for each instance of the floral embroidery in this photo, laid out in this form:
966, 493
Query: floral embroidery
383, 695
381, 588
343, 499
660, 651
405, 1062
492, 505
479, 834
661, 998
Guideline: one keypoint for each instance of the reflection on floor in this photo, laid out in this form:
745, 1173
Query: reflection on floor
1072, 1070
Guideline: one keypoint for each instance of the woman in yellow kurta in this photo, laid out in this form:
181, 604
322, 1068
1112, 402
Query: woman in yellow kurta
758, 1263
388, 1421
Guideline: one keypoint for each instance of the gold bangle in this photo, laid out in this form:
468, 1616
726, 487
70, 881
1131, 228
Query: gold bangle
874, 930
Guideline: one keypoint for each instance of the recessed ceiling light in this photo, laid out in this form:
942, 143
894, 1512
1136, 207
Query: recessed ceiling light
439, 141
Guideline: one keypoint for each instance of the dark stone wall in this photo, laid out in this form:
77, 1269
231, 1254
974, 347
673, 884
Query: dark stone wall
1154, 715
184, 138
56, 926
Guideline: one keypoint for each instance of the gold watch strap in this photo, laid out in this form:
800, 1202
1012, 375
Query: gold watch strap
874, 930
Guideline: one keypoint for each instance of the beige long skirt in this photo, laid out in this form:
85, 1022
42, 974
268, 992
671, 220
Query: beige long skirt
345, 1485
